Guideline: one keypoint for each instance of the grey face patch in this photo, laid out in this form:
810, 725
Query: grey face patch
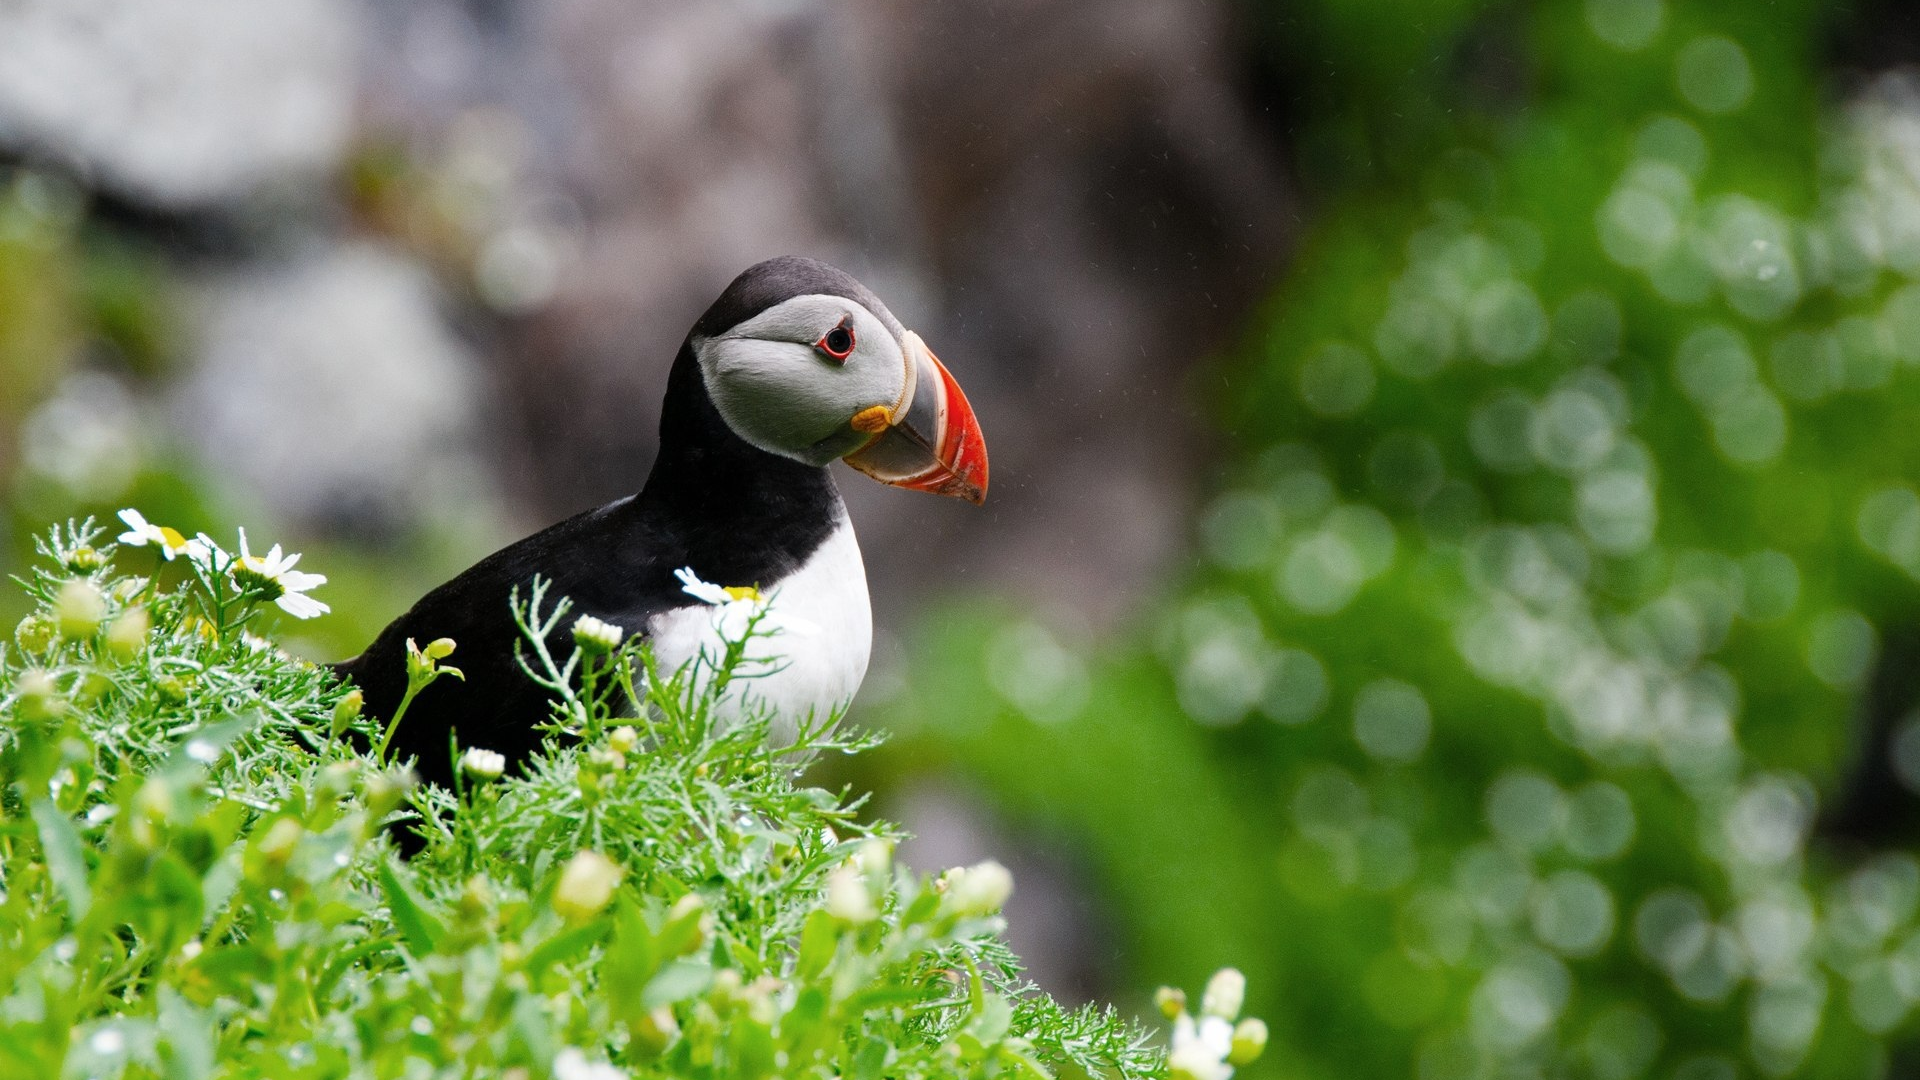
783, 395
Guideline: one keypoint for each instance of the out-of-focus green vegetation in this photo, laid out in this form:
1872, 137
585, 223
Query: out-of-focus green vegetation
1563, 567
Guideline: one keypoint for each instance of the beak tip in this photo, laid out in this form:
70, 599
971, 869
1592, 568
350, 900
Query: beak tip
941, 452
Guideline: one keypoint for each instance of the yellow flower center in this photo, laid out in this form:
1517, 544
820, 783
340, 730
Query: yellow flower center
743, 592
250, 573
172, 538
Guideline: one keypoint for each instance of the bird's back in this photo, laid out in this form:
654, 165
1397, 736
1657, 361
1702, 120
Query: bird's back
615, 563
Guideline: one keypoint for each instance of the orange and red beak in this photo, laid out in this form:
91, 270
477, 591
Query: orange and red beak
932, 441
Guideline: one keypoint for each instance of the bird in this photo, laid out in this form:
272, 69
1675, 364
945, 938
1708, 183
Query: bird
795, 365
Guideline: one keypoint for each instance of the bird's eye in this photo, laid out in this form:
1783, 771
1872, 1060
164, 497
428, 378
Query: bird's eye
838, 343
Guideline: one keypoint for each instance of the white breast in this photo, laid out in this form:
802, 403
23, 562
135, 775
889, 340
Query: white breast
814, 661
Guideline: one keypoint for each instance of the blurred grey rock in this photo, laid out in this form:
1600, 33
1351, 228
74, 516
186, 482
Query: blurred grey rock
179, 103
333, 389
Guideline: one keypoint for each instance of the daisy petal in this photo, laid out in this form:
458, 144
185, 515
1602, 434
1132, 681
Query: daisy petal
702, 591
300, 580
301, 606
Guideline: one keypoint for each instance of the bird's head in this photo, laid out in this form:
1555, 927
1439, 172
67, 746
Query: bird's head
805, 362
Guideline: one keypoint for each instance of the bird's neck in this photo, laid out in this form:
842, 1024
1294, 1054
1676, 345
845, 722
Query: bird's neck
711, 480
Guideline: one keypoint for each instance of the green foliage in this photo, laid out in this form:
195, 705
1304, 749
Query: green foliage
199, 878
1562, 579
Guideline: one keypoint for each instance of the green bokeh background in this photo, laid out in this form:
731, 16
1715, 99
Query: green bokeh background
1533, 703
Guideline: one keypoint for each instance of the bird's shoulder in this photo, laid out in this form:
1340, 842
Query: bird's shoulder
614, 562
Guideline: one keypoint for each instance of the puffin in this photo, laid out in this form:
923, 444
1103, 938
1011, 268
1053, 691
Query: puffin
795, 366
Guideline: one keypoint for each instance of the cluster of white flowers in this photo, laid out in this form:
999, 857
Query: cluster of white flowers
1210, 1046
271, 574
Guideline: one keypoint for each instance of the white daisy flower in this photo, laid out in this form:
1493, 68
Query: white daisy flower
143, 533
736, 605
595, 635
706, 592
273, 574
483, 764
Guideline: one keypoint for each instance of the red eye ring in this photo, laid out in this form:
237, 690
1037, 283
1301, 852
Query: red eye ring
837, 343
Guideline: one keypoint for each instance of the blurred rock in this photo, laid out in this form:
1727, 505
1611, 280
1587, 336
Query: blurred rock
332, 387
179, 103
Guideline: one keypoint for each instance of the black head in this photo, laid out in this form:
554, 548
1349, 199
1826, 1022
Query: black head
800, 361
766, 285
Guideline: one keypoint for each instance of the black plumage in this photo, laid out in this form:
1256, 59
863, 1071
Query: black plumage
712, 501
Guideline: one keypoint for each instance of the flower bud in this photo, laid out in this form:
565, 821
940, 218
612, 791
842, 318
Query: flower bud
153, 800
476, 897
91, 687
38, 695
1170, 1002
440, 648
85, 560
601, 759
78, 609
346, 711
595, 636
385, 789
874, 857
173, 689
586, 886
152, 805
127, 634
655, 1032
981, 889
337, 778
1249, 1040
1196, 1061
35, 634
623, 739
1226, 991
847, 896
691, 906
483, 765
277, 846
